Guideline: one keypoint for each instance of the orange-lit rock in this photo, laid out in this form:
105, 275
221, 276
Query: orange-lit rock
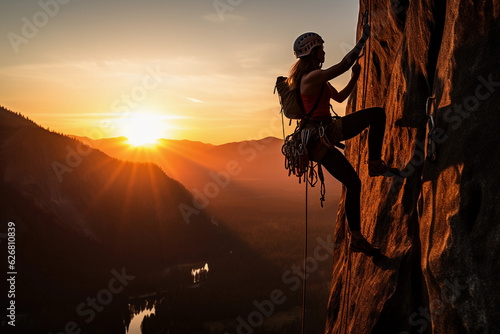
438, 228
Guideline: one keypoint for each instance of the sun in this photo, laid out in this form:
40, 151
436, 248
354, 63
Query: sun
143, 129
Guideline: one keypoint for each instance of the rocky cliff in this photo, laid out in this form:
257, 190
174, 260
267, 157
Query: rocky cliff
438, 226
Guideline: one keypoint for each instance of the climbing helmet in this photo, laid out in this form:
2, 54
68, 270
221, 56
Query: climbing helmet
305, 43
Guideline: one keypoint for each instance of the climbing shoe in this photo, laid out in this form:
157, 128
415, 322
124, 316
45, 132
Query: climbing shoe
363, 246
379, 168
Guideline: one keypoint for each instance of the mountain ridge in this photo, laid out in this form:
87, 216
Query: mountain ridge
129, 211
259, 164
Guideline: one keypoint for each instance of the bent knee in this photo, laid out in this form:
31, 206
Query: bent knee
380, 112
354, 185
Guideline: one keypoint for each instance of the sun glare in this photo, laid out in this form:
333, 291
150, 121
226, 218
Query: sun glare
143, 129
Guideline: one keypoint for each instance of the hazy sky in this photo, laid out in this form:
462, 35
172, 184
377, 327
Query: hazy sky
204, 68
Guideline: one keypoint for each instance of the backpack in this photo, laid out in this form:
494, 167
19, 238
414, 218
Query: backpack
291, 101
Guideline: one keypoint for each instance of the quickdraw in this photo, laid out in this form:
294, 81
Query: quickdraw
324, 139
431, 124
295, 151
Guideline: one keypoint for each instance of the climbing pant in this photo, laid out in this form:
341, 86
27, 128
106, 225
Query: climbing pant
340, 168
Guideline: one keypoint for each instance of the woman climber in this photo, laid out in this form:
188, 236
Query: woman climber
307, 75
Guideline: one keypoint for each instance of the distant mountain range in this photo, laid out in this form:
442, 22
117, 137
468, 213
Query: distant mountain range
255, 167
242, 184
79, 213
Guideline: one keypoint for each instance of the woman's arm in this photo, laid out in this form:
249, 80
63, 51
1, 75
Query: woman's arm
344, 93
316, 78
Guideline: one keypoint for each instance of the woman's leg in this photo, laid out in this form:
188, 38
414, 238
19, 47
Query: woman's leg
340, 168
353, 124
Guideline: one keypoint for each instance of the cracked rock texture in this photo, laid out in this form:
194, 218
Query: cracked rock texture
438, 228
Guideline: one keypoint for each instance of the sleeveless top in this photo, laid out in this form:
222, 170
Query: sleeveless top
323, 108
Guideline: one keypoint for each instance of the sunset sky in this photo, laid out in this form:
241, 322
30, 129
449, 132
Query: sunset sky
199, 69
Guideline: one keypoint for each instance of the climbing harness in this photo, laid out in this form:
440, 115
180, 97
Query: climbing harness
431, 125
299, 160
324, 139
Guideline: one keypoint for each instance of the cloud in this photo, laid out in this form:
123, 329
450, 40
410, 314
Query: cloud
195, 100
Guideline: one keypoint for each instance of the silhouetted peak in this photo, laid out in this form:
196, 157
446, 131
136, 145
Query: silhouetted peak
9, 118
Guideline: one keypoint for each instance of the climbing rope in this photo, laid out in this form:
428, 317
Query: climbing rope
283, 124
366, 53
346, 296
305, 274
366, 19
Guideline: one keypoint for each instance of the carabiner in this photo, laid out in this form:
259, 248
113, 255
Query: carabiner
321, 131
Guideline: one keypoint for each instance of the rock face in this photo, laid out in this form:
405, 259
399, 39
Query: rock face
437, 227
